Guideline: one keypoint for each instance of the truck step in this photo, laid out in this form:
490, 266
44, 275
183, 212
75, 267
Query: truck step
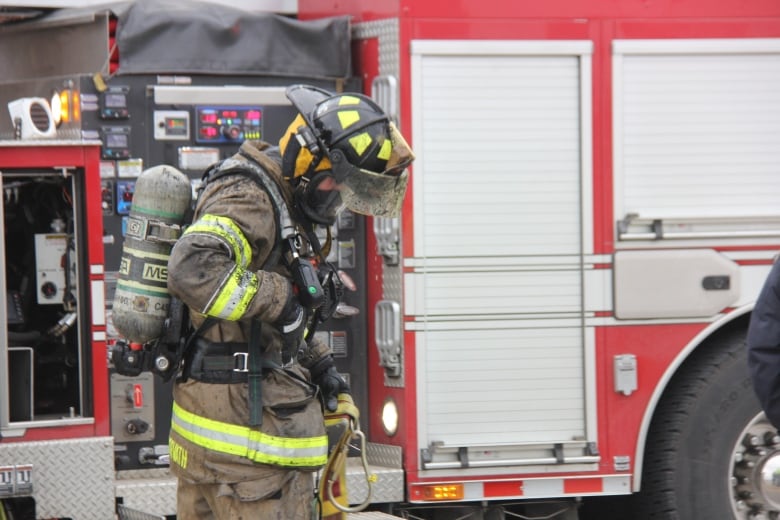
155, 489
126, 513
371, 515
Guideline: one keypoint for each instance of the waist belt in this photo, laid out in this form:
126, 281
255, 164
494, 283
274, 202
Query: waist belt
221, 363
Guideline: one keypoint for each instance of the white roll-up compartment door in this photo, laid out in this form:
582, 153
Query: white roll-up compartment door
502, 136
696, 132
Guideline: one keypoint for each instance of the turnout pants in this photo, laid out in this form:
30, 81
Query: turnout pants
245, 501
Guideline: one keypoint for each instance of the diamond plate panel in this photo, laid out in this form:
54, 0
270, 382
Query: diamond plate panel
384, 463
148, 491
384, 455
72, 478
125, 513
388, 486
371, 515
386, 31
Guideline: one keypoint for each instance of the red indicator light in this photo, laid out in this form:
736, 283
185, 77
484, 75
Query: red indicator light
208, 117
252, 115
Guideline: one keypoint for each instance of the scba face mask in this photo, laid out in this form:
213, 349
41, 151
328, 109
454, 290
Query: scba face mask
320, 198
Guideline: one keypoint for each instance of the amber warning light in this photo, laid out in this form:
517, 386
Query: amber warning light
439, 492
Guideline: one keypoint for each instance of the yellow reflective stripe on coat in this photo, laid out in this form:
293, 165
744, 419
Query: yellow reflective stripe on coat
225, 229
235, 292
231, 300
241, 441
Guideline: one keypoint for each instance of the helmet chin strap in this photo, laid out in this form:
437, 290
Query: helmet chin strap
320, 250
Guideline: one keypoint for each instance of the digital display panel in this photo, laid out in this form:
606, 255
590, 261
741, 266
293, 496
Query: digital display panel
114, 140
209, 117
175, 125
115, 100
228, 124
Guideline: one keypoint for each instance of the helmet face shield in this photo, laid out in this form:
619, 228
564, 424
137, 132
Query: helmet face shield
371, 193
401, 156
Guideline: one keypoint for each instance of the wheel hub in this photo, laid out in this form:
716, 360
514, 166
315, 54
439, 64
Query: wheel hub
755, 475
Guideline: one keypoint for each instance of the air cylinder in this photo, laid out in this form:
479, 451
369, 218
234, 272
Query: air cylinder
161, 202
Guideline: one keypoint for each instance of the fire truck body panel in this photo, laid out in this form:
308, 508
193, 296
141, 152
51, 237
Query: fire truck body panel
552, 278
593, 203
59, 450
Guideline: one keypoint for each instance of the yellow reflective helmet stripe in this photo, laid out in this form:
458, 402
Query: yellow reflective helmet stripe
225, 229
348, 118
349, 100
385, 150
234, 295
360, 142
241, 441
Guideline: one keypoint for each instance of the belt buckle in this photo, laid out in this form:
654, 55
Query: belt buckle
241, 361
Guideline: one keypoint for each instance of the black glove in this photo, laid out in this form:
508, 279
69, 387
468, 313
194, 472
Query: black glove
292, 325
329, 381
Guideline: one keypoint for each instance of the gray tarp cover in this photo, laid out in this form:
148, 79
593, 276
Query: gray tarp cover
192, 37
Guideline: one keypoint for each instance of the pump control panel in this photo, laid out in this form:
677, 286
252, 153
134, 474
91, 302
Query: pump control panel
143, 121
228, 124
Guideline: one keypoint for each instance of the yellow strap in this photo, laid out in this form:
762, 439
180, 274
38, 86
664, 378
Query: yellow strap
345, 406
333, 482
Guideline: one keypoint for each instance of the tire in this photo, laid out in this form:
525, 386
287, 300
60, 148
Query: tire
692, 468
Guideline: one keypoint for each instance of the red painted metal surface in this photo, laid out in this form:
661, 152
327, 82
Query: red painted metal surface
553, 9
85, 158
657, 347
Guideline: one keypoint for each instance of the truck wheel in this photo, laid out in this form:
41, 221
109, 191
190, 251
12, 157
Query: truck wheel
710, 452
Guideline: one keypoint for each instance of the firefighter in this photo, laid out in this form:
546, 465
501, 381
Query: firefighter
247, 429
763, 343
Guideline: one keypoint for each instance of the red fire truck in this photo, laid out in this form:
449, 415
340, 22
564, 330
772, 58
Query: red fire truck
558, 317
561, 310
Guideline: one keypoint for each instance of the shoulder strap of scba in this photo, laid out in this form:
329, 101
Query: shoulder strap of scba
178, 334
239, 165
